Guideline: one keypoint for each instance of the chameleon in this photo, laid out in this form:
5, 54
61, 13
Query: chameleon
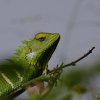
29, 61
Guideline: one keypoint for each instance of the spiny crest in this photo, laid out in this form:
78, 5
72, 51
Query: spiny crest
22, 50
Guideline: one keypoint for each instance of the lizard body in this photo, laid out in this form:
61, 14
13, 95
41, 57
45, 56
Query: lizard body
28, 62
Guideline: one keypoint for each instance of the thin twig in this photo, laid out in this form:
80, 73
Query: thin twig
73, 63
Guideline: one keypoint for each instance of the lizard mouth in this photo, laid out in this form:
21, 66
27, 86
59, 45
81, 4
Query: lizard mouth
49, 51
52, 48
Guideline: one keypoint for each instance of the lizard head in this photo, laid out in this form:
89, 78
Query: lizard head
38, 50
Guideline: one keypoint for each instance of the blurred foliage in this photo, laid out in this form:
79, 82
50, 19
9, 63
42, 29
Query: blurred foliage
73, 81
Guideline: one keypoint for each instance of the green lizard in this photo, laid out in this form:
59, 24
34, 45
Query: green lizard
28, 62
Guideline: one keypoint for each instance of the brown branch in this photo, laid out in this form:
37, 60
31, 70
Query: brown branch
73, 63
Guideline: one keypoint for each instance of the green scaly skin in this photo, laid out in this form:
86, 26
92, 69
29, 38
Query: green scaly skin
28, 62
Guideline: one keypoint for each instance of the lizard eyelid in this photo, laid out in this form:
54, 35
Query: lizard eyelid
40, 37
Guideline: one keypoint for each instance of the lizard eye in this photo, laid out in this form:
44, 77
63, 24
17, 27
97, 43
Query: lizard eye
40, 37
